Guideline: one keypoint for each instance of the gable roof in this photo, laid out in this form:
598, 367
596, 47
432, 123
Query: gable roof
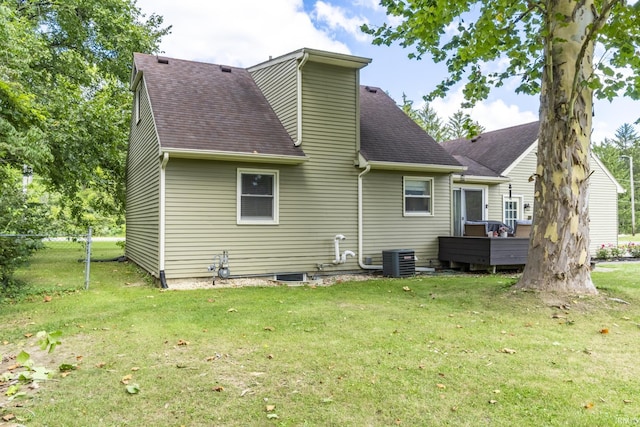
492, 153
391, 139
206, 108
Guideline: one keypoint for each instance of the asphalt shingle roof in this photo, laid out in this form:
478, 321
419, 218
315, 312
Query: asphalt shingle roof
387, 134
491, 153
200, 106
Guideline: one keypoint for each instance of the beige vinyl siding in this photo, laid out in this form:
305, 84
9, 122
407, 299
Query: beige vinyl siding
520, 186
143, 190
603, 212
318, 199
279, 85
385, 227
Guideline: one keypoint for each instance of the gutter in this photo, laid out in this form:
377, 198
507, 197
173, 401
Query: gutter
361, 225
304, 60
163, 197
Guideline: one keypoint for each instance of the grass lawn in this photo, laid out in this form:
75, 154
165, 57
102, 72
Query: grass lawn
460, 350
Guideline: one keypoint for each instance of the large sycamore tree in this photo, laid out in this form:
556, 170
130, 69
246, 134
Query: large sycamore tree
565, 50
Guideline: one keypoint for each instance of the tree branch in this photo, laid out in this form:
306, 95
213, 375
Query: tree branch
596, 26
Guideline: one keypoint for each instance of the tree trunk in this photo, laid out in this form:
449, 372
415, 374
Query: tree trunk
559, 259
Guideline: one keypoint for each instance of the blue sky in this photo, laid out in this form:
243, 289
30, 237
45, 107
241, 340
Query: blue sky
246, 32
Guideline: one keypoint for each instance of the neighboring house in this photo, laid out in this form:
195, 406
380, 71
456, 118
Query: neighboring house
497, 184
274, 164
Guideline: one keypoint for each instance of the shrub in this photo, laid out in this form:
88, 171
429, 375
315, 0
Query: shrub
602, 252
618, 251
634, 250
18, 219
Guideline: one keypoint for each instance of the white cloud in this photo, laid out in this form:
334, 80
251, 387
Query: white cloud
337, 17
491, 115
238, 32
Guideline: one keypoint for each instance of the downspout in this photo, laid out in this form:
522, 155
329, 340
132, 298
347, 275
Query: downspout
163, 166
360, 224
298, 140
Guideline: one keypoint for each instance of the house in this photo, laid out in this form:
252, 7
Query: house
286, 169
496, 184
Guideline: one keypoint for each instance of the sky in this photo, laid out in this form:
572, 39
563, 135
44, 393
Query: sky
243, 33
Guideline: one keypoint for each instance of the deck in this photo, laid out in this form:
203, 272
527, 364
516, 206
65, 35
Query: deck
483, 252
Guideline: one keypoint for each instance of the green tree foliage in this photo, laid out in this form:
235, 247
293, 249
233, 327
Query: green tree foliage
64, 101
548, 48
625, 143
65, 108
460, 125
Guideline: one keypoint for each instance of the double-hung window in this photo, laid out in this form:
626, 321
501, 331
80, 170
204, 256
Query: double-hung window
257, 196
418, 196
136, 103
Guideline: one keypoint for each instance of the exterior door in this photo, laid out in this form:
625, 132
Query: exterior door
468, 205
511, 210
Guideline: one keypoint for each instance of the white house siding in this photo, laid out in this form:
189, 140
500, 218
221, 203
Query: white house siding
385, 227
143, 190
603, 214
279, 85
318, 199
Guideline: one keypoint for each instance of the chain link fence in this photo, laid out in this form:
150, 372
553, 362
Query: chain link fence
31, 242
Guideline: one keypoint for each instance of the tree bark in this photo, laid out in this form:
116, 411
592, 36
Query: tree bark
559, 259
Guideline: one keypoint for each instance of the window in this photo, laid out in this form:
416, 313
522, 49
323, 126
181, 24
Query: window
136, 103
257, 197
418, 196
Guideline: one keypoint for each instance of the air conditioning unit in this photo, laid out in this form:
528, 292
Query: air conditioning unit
399, 263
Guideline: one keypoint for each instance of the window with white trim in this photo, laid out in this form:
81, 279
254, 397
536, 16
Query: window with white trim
136, 103
257, 196
418, 196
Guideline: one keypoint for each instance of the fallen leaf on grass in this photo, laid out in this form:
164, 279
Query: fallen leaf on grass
8, 417
232, 310
508, 351
441, 386
604, 331
66, 367
270, 408
133, 389
269, 356
183, 342
125, 380
101, 365
493, 402
588, 405
48, 298
406, 289
218, 389
269, 328
627, 401
272, 416
28, 335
